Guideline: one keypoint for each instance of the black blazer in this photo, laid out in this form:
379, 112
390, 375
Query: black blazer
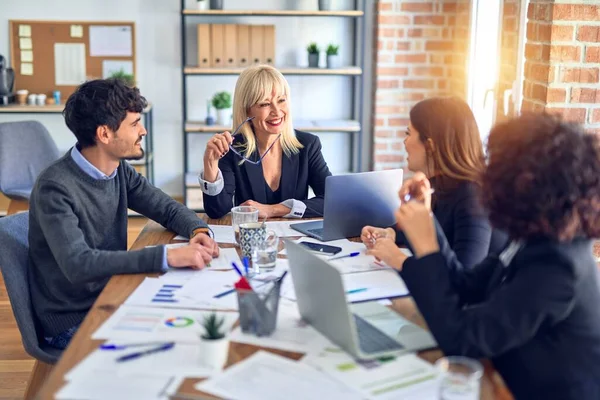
247, 182
537, 319
464, 223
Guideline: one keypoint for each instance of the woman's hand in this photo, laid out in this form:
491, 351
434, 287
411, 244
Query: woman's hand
386, 250
216, 148
418, 226
268, 210
418, 188
370, 234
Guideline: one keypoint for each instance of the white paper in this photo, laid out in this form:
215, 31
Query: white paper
111, 66
406, 377
181, 360
25, 30
383, 318
26, 69
76, 31
291, 333
69, 64
282, 228
26, 56
102, 386
223, 233
25, 43
179, 237
266, 376
143, 324
112, 41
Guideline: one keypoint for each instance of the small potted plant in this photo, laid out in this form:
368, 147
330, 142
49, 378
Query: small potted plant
202, 4
221, 101
214, 344
313, 55
124, 76
333, 59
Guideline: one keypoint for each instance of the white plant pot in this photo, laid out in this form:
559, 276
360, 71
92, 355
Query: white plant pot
202, 4
224, 117
213, 353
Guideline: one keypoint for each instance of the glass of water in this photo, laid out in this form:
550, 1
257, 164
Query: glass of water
242, 215
460, 378
264, 253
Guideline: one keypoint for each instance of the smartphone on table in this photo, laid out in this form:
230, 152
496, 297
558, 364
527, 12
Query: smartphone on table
321, 248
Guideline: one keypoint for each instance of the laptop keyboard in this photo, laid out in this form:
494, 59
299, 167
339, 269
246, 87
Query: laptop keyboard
372, 340
316, 231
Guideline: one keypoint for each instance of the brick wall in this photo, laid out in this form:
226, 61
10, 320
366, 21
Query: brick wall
562, 72
421, 52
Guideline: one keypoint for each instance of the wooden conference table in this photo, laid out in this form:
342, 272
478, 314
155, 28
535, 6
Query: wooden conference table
121, 286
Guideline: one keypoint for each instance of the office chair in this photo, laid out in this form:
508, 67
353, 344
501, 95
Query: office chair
26, 148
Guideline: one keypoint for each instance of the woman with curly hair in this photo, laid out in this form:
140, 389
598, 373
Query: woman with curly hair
442, 141
534, 309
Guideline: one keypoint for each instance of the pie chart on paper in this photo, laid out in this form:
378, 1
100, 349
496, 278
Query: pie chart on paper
179, 322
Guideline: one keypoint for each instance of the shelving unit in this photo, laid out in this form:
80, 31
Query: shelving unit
351, 127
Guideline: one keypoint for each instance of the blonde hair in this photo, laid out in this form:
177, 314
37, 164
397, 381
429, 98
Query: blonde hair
254, 84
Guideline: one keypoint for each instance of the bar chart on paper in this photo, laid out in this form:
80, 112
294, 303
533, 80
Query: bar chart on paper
167, 293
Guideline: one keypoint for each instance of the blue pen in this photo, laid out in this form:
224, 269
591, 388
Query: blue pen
126, 346
225, 293
246, 265
282, 276
234, 265
356, 253
133, 356
356, 291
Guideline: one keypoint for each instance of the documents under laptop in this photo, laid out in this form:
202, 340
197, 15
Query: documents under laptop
321, 299
353, 201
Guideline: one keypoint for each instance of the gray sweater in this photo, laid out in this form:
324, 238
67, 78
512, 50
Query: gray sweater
78, 237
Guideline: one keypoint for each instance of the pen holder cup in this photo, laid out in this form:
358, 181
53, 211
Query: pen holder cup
258, 312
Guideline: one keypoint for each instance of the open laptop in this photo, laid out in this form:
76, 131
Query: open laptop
353, 201
321, 299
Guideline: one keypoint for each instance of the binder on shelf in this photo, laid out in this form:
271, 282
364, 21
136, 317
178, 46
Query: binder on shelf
230, 45
204, 60
217, 36
243, 45
269, 44
256, 44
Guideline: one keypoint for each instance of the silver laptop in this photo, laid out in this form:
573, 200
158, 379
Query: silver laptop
353, 201
322, 303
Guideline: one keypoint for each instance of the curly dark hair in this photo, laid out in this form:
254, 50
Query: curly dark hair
100, 102
543, 179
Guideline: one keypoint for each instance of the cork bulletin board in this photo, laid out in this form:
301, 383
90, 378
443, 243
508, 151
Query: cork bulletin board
60, 55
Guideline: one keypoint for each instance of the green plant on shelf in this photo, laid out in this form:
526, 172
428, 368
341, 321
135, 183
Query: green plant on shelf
332, 50
221, 100
212, 326
124, 76
313, 48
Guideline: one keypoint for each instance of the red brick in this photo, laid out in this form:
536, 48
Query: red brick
449, 7
384, 58
585, 95
411, 58
400, 33
556, 95
381, 146
589, 34
379, 110
393, 19
417, 7
451, 20
592, 54
565, 53
510, 9
562, 32
415, 32
397, 146
595, 115
382, 6
537, 72
570, 114
443, 84
578, 75
402, 122
381, 158
539, 92
575, 12
533, 51
396, 71
432, 45
379, 122
388, 84
418, 84
510, 24
387, 32
429, 20
384, 132
428, 71
404, 46
542, 12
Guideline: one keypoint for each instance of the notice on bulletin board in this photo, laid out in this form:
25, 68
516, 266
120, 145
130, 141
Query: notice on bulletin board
111, 41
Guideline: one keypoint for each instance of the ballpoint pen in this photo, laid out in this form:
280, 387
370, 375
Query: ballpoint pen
354, 254
133, 356
126, 346
355, 290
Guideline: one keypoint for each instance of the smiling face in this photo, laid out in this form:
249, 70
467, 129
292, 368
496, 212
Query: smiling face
270, 113
126, 143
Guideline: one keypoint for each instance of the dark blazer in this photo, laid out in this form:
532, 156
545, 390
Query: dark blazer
247, 182
538, 319
464, 223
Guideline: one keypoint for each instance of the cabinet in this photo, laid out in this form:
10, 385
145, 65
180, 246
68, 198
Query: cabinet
351, 127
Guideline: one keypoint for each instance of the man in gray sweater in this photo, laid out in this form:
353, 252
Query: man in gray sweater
78, 211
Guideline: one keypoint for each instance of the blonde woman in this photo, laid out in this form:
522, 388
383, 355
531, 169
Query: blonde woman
265, 163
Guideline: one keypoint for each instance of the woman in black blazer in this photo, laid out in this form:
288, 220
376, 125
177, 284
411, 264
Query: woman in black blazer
534, 309
270, 165
443, 142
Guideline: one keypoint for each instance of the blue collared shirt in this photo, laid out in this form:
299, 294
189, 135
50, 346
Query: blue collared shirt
95, 173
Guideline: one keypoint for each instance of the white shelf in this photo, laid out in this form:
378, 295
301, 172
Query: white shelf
348, 71
274, 13
308, 126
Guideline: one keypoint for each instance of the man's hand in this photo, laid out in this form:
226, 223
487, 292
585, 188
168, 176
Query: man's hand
205, 241
194, 256
386, 250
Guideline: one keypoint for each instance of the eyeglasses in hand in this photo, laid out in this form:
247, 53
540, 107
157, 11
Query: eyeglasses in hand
240, 154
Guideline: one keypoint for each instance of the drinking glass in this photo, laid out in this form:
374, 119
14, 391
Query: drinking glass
460, 378
264, 253
242, 215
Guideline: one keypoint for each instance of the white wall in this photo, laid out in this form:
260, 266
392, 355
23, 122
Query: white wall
159, 69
